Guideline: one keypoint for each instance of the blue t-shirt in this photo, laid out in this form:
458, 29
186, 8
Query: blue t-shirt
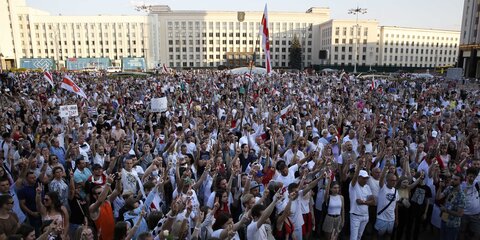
28, 194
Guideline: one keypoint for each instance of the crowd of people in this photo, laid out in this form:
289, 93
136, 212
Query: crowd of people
286, 156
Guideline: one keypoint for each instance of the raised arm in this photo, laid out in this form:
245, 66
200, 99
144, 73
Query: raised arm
93, 209
151, 168
202, 178
38, 200
286, 212
116, 192
382, 176
71, 186
314, 183
134, 229
327, 189
268, 211
355, 175
23, 173
111, 164
414, 184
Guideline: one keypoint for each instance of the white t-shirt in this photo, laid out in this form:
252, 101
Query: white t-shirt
385, 195
296, 211
358, 192
290, 178
472, 206
288, 156
305, 203
374, 185
216, 235
254, 233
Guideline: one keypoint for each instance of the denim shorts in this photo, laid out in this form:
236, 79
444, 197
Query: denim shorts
384, 226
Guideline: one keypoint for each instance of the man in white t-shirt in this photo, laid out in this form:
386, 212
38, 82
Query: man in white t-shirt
293, 154
286, 175
256, 229
360, 198
296, 215
387, 205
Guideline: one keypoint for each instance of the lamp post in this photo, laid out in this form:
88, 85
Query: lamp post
146, 9
1, 64
356, 11
56, 39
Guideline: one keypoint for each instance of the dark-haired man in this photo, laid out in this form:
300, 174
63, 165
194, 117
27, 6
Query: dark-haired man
453, 209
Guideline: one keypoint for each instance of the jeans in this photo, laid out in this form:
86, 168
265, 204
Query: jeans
357, 226
298, 233
449, 233
73, 228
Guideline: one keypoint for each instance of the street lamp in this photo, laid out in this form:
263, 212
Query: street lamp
146, 9
1, 64
356, 11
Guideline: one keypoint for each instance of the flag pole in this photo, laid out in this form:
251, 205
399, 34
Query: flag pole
252, 63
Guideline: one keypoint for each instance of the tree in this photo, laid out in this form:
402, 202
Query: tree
296, 54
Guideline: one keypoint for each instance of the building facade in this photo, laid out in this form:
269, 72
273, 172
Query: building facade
470, 39
199, 39
387, 46
417, 47
211, 38
343, 40
36, 34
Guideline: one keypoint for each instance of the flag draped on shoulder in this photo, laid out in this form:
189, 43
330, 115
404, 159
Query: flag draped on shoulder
266, 40
69, 85
48, 77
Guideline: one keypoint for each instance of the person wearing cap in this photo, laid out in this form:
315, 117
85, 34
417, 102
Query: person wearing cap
98, 178
315, 145
387, 198
360, 198
255, 190
431, 140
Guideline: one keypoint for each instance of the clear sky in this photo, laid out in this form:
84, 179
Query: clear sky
439, 14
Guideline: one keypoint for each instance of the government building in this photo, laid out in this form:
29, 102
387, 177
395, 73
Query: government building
470, 39
210, 39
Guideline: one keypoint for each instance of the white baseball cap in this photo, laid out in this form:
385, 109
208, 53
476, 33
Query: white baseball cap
363, 173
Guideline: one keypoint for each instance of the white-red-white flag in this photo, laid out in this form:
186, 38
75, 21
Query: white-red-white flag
47, 76
284, 112
373, 84
165, 69
248, 77
69, 85
266, 40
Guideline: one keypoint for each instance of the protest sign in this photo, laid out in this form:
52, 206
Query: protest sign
68, 111
159, 104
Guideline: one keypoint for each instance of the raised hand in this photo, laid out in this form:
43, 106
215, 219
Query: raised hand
39, 188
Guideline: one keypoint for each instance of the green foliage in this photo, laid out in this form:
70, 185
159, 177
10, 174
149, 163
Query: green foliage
295, 54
